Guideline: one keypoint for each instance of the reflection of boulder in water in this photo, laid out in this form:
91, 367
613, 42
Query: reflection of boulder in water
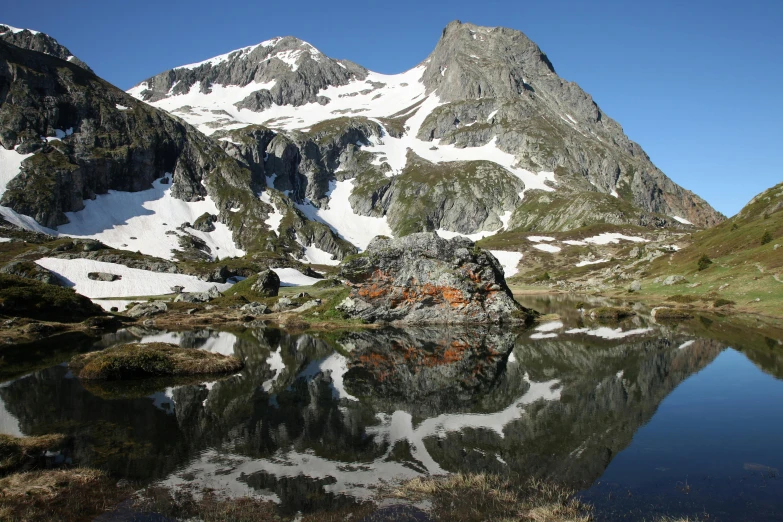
607, 395
428, 370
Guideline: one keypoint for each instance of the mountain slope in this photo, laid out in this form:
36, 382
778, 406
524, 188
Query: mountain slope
80, 154
484, 94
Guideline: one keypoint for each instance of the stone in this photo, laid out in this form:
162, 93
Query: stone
103, 276
255, 308
147, 309
30, 270
177, 289
425, 279
283, 304
267, 284
673, 280
636, 286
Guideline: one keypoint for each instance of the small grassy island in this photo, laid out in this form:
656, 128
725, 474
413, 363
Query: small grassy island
137, 361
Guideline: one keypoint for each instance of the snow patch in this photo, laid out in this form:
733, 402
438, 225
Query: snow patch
118, 217
682, 220
538, 239
585, 263
293, 277
686, 344
339, 215
547, 248
550, 327
10, 165
121, 107
134, 282
509, 260
613, 237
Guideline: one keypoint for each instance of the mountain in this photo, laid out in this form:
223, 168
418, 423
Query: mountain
451, 144
285, 154
37, 41
79, 154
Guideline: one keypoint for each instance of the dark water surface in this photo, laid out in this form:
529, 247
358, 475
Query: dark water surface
643, 419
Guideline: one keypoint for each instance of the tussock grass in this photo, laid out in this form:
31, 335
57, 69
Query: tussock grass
136, 360
17, 451
480, 497
63, 495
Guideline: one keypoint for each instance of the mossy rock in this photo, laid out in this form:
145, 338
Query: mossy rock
611, 312
664, 313
137, 360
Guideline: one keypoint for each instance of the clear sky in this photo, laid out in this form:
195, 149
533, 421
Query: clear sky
698, 83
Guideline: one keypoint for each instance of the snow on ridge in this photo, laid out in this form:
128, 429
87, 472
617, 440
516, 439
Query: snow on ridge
539, 239
16, 30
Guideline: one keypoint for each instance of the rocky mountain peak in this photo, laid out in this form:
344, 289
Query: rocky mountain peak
282, 71
37, 41
472, 61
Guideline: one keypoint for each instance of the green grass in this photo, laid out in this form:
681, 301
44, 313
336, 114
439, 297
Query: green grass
21, 297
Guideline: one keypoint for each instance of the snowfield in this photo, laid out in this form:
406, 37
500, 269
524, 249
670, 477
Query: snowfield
139, 221
134, 282
339, 215
509, 260
293, 277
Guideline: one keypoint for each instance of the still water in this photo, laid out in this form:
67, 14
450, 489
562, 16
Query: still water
642, 418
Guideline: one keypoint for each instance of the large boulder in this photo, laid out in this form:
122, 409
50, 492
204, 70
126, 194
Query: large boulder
423, 278
267, 284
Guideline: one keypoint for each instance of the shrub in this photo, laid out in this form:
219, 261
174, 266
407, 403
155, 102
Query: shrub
766, 238
722, 302
704, 262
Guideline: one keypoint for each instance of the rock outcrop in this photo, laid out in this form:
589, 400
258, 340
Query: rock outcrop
267, 284
425, 279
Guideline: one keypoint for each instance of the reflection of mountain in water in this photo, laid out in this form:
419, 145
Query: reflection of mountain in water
302, 420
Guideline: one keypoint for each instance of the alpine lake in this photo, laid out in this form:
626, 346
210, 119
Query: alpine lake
643, 419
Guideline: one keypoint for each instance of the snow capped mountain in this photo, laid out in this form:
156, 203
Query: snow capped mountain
297, 155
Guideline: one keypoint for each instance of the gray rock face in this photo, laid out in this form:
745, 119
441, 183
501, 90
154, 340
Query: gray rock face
267, 284
43, 43
147, 309
545, 121
636, 286
422, 278
198, 297
30, 270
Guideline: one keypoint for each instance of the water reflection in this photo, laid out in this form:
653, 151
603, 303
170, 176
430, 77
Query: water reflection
314, 422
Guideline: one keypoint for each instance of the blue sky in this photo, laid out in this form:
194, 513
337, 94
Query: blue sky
697, 83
